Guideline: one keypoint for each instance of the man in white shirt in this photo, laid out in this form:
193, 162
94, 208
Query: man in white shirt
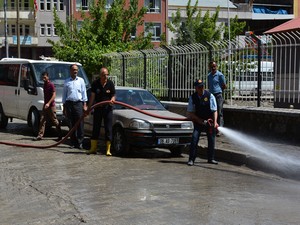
74, 100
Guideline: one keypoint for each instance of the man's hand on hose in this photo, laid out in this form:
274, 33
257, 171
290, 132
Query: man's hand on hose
111, 102
85, 110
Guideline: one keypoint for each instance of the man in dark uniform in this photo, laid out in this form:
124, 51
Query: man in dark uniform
103, 89
202, 110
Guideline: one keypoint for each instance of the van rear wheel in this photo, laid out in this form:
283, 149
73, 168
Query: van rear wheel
3, 119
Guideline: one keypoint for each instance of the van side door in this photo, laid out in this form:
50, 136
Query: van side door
9, 87
28, 94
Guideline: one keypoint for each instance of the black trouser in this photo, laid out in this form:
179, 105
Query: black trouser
104, 113
74, 113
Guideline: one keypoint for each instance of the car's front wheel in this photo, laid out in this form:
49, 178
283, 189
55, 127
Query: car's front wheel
119, 143
177, 151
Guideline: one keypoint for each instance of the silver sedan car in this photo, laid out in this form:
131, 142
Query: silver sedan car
158, 128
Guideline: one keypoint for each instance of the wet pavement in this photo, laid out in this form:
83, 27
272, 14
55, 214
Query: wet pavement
65, 186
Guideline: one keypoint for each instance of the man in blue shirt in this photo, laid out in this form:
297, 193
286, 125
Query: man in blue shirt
202, 110
216, 85
74, 99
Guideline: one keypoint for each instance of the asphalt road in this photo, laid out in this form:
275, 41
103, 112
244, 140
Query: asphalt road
65, 186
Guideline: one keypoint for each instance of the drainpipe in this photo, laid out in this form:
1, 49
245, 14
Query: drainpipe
170, 71
18, 29
258, 41
5, 27
145, 69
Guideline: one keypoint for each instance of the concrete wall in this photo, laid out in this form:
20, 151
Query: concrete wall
277, 124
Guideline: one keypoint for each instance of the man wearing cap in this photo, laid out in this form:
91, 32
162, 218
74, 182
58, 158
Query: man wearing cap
202, 110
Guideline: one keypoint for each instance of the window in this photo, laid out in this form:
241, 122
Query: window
48, 5
133, 34
85, 5
108, 4
79, 25
12, 4
49, 26
21, 29
55, 5
26, 4
9, 74
13, 29
154, 6
42, 30
61, 5
26, 75
27, 30
82, 4
54, 31
154, 29
42, 4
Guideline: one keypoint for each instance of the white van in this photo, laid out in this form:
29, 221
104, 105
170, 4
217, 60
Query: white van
246, 80
21, 89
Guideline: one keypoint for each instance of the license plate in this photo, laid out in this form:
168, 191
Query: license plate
168, 141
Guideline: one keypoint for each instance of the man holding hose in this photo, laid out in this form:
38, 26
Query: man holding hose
102, 89
202, 110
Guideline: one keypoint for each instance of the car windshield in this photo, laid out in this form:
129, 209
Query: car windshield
58, 72
141, 99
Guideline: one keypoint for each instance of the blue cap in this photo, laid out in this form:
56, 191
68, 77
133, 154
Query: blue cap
199, 83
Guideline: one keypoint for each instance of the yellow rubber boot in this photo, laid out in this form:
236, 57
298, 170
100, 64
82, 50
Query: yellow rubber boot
108, 144
93, 149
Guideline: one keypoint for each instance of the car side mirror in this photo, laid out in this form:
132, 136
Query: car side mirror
166, 106
26, 84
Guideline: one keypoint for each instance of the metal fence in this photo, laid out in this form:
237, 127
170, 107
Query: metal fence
260, 71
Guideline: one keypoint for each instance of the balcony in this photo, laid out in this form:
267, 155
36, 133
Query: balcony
24, 13
265, 9
24, 40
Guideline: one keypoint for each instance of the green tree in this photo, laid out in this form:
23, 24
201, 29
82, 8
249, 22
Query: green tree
198, 28
236, 28
100, 32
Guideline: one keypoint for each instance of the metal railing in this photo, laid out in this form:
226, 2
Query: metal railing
261, 71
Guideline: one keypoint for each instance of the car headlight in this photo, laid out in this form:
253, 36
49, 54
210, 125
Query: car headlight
187, 125
139, 124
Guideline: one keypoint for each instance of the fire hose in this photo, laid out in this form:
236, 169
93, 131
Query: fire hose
82, 117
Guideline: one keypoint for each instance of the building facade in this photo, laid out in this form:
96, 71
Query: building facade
36, 25
34, 19
154, 20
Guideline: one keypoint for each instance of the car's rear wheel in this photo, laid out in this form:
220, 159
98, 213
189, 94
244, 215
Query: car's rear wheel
3, 119
119, 143
177, 151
